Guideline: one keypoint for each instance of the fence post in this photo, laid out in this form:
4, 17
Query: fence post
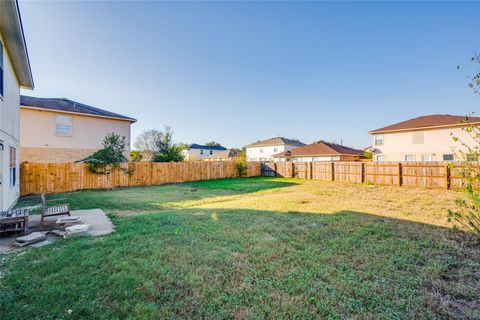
274, 169
362, 177
447, 176
400, 179
333, 171
310, 166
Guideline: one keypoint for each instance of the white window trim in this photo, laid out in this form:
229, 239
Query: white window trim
410, 155
427, 155
63, 124
375, 139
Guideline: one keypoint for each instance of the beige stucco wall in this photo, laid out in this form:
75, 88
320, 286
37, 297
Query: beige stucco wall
195, 154
9, 132
39, 143
436, 143
265, 153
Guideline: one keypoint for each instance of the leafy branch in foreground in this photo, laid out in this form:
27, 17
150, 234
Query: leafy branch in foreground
467, 214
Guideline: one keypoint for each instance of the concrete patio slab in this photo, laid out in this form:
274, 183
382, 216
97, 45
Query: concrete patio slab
98, 221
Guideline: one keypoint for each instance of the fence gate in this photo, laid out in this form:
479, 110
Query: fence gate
267, 169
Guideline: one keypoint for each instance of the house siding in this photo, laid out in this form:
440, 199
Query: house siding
9, 132
195, 154
39, 143
265, 153
436, 142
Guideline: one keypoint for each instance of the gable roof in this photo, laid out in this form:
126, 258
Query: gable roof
69, 106
275, 142
320, 148
200, 146
13, 38
230, 153
429, 121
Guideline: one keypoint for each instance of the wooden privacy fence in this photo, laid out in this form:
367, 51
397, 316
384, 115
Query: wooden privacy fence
36, 178
416, 174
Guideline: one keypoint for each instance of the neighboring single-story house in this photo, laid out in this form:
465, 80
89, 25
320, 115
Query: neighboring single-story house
265, 149
62, 130
320, 151
426, 138
15, 73
200, 152
230, 154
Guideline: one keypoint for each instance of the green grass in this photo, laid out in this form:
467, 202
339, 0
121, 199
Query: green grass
251, 248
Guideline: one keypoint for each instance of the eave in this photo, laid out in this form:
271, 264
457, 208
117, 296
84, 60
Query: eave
14, 42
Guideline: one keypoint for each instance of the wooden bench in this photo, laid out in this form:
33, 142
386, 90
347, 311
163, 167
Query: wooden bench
56, 210
14, 220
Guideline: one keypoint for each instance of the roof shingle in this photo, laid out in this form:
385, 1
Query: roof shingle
320, 148
230, 153
66, 105
434, 120
275, 142
200, 146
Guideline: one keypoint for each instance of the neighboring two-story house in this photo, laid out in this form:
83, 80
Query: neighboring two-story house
265, 149
15, 73
319, 151
62, 130
200, 152
426, 138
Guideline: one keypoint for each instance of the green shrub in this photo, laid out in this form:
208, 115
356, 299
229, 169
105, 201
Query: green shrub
241, 164
108, 159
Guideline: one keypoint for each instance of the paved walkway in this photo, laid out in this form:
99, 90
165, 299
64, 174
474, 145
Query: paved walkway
99, 223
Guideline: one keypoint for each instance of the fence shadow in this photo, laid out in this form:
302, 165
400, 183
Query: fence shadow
214, 262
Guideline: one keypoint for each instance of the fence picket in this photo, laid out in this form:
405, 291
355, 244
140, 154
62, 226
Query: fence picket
415, 174
36, 178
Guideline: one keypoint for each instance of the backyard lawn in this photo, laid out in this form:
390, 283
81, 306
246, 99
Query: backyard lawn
252, 248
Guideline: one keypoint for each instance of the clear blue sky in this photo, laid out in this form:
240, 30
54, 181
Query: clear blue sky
239, 72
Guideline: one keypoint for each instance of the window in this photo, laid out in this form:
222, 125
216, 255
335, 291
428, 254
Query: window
261, 150
417, 137
211, 152
409, 157
63, 126
201, 152
472, 157
1, 69
448, 157
13, 166
275, 149
426, 157
380, 158
379, 139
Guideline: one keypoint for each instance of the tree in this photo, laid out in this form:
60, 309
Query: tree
147, 139
165, 150
182, 146
110, 156
213, 144
135, 155
466, 216
241, 163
